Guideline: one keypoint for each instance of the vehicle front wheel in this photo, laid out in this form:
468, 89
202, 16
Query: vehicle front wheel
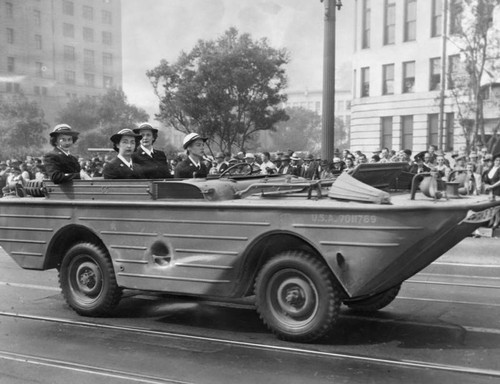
296, 297
88, 281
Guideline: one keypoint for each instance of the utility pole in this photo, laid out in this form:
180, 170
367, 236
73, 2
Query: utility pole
444, 71
328, 109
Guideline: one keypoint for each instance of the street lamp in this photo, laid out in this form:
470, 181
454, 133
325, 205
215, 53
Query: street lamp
328, 110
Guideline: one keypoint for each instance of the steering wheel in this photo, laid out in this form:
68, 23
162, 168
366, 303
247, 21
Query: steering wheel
240, 169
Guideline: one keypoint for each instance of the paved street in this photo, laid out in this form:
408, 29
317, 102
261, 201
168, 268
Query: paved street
443, 325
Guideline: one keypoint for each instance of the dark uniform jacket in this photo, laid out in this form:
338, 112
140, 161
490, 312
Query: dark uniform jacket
60, 167
493, 180
186, 168
155, 167
310, 172
117, 169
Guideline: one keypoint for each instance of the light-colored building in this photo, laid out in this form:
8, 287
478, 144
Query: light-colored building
313, 101
397, 76
55, 50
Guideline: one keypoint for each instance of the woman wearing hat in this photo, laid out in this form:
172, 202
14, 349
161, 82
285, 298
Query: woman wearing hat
152, 161
61, 166
193, 166
122, 166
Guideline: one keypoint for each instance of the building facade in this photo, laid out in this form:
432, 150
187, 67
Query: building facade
397, 77
52, 51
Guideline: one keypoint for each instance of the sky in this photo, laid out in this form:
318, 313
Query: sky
153, 30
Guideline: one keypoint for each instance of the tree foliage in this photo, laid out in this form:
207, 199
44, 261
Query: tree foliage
478, 41
226, 89
98, 118
22, 127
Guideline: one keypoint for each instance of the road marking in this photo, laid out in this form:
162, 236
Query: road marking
468, 265
405, 363
30, 286
94, 370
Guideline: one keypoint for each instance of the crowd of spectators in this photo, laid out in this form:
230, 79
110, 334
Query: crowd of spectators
468, 169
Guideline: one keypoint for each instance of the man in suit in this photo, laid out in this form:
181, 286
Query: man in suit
309, 168
193, 166
60, 164
122, 166
220, 164
153, 162
286, 168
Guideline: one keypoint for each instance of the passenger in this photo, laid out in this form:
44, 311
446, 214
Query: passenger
491, 178
122, 167
220, 164
192, 166
61, 166
153, 162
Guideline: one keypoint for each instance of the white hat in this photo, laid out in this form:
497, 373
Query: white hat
190, 138
336, 159
249, 156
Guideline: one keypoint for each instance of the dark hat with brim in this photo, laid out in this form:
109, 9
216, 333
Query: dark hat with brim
145, 126
124, 132
309, 157
63, 129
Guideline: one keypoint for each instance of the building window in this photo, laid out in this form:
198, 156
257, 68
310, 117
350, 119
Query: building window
36, 90
10, 36
9, 10
365, 39
106, 17
437, 20
432, 129
410, 26
365, 82
88, 35
354, 84
11, 64
435, 74
107, 38
89, 79
68, 30
409, 77
107, 81
69, 77
88, 60
88, 12
453, 70
450, 126
38, 41
389, 21
107, 59
456, 9
37, 16
388, 79
407, 132
68, 8
386, 128
69, 53
39, 68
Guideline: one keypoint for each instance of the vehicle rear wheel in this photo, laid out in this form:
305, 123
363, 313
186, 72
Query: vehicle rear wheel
296, 297
88, 281
375, 302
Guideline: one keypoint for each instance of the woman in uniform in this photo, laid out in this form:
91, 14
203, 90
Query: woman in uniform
152, 161
193, 166
122, 166
61, 166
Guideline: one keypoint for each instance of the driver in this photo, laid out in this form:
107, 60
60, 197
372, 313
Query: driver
193, 166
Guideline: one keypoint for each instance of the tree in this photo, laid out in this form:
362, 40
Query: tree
478, 43
22, 127
227, 90
97, 119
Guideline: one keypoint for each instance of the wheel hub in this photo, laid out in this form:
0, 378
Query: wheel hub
88, 276
295, 297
